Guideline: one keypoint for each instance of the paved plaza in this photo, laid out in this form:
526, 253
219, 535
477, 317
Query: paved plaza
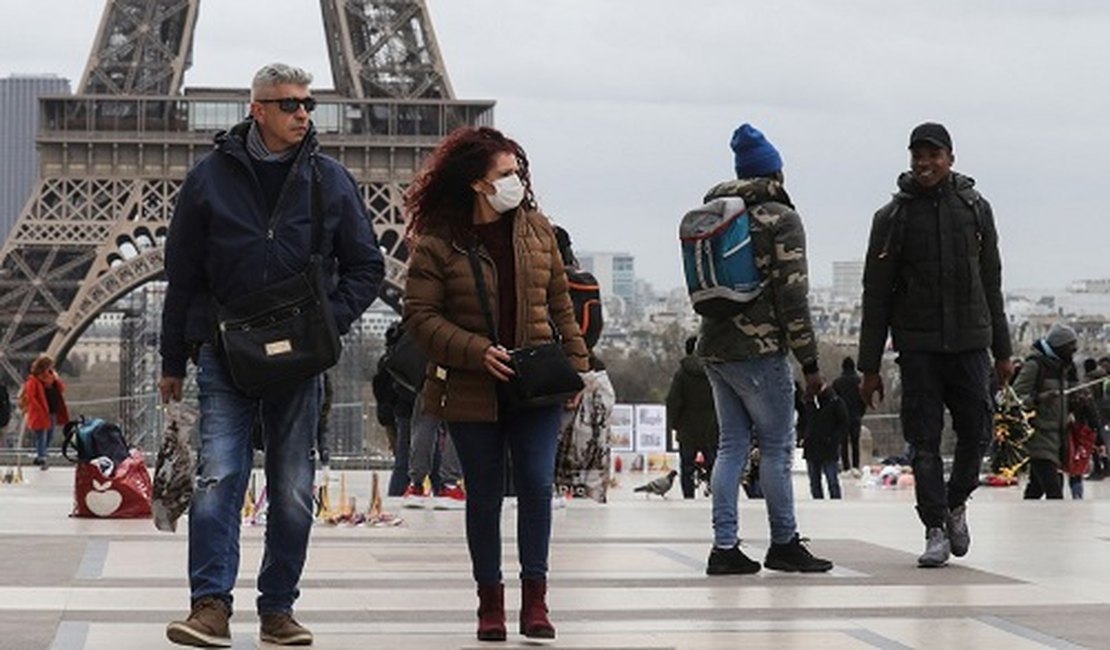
629, 574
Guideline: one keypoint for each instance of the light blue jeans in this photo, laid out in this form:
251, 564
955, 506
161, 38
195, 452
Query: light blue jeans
42, 438
227, 418
753, 395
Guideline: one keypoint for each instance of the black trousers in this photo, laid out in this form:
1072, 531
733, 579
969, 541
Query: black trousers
850, 446
1045, 480
932, 381
687, 455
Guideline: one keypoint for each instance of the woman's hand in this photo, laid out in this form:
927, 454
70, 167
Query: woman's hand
496, 361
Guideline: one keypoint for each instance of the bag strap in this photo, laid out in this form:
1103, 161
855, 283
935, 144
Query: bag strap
480, 281
317, 208
70, 440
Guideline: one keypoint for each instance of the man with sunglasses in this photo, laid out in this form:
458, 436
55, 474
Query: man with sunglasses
243, 221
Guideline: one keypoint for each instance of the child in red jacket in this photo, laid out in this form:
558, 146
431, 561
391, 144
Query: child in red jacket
44, 405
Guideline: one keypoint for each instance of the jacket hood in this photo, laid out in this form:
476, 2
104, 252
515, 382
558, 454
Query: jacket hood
753, 190
908, 187
692, 365
1043, 351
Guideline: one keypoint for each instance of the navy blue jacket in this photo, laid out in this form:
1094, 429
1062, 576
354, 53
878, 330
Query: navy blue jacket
222, 244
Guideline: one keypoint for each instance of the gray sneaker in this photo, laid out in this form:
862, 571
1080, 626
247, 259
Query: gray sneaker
937, 549
958, 535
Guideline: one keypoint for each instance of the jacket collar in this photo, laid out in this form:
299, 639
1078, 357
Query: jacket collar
233, 142
753, 190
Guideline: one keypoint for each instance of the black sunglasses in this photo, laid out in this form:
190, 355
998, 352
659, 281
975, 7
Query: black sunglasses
290, 104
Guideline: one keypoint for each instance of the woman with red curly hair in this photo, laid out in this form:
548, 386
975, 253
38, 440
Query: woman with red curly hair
474, 198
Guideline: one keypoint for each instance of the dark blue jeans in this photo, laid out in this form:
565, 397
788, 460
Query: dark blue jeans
930, 382
529, 436
227, 417
826, 468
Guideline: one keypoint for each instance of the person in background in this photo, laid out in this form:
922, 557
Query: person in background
691, 415
847, 389
827, 425
393, 410
477, 238
432, 458
1041, 386
1095, 372
44, 405
746, 361
932, 280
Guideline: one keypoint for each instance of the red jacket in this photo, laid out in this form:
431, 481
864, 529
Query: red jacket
37, 410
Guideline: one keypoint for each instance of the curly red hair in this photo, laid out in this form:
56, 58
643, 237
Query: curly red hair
441, 196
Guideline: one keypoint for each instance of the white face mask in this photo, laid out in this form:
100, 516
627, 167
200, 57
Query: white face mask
508, 195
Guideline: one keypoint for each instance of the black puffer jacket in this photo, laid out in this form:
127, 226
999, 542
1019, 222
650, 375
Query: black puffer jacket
933, 274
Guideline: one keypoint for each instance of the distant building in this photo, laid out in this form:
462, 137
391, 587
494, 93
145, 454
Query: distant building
615, 273
19, 162
848, 280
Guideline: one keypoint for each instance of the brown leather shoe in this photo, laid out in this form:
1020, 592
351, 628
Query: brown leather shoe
206, 626
281, 629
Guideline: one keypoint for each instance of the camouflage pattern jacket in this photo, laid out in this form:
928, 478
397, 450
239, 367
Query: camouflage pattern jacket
778, 319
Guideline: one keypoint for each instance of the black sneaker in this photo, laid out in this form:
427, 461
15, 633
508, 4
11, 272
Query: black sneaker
730, 561
794, 557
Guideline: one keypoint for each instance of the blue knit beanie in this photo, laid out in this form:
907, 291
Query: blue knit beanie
755, 156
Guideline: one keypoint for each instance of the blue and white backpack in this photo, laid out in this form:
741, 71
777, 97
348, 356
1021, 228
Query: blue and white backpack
718, 258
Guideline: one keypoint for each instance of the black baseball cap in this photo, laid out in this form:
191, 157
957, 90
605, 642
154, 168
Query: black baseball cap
932, 133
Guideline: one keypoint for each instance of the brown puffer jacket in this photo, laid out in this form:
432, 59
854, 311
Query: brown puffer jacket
443, 312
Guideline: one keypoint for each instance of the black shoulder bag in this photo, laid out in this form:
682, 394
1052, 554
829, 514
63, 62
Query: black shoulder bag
281, 335
542, 375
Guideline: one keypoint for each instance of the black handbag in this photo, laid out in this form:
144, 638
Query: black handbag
406, 362
542, 374
281, 335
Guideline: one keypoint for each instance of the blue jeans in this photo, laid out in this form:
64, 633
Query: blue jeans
753, 394
815, 468
42, 438
530, 437
227, 417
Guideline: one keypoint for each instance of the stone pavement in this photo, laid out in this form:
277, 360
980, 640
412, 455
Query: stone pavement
629, 574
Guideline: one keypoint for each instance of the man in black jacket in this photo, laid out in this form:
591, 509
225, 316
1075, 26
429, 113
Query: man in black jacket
932, 278
242, 222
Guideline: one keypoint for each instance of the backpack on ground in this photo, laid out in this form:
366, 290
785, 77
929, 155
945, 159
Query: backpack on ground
718, 258
94, 438
585, 293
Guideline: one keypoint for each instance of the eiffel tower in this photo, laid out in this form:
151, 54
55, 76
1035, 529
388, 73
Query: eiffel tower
113, 156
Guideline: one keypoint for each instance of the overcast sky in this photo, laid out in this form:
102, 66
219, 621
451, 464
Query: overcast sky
626, 106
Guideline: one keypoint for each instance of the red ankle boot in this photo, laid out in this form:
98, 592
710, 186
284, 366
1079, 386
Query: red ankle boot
491, 612
534, 623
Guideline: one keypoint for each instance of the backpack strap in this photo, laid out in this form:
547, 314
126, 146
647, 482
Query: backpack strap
70, 441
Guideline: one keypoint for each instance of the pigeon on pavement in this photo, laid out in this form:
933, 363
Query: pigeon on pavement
659, 486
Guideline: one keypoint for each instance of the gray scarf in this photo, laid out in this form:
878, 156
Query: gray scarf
256, 148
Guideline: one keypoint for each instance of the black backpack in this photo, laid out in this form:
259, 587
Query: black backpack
585, 293
94, 438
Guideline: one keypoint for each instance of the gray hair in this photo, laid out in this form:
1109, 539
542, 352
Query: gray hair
276, 74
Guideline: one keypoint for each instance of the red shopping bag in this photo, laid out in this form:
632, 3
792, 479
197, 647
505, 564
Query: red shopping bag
104, 490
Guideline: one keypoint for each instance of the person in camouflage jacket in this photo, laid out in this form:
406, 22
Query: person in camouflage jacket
746, 362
